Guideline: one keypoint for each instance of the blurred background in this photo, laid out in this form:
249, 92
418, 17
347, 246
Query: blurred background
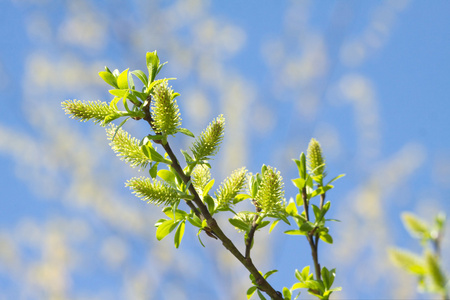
368, 79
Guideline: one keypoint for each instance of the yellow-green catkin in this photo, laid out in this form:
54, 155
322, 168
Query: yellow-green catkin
207, 143
270, 193
165, 111
315, 159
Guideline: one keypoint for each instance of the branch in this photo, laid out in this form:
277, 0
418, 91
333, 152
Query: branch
203, 213
251, 233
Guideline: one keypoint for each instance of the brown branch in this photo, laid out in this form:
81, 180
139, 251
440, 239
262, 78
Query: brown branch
251, 233
203, 213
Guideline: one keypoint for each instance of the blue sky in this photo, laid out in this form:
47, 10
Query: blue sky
368, 79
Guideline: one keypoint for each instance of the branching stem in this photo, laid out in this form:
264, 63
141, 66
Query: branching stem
202, 210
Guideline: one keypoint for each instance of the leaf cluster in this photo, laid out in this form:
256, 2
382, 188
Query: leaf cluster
426, 267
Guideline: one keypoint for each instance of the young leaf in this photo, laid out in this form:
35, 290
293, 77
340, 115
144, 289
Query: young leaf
186, 132
109, 78
165, 228
179, 234
239, 224
208, 187
434, 269
251, 291
407, 261
167, 176
153, 155
326, 237
261, 296
141, 75
122, 80
416, 227
286, 293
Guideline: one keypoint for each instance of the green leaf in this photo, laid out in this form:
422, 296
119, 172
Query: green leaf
328, 277
273, 225
186, 132
434, 269
167, 176
326, 238
321, 190
291, 209
295, 232
208, 187
299, 183
141, 75
121, 93
179, 234
209, 202
286, 293
195, 221
152, 61
416, 227
307, 227
302, 168
122, 80
335, 178
153, 155
165, 228
176, 215
251, 291
109, 78
261, 296
407, 261
241, 197
239, 224
153, 171
269, 273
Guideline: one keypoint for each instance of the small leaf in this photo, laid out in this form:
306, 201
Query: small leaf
176, 215
119, 92
179, 234
435, 271
269, 273
407, 261
335, 178
299, 183
307, 227
291, 209
295, 232
152, 154
109, 78
209, 202
286, 293
141, 75
261, 296
273, 225
122, 80
251, 291
195, 221
167, 176
208, 187
239, 224
416, 227
165, 228
153, 171
241, 197
326, 238
186, 132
